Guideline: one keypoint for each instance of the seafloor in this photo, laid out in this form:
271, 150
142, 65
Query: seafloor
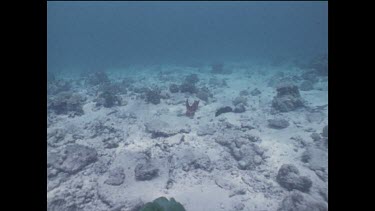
256, 141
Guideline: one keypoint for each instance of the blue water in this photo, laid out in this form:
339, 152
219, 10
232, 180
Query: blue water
94, 36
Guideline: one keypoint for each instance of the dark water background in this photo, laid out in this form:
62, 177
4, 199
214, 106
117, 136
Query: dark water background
100, 35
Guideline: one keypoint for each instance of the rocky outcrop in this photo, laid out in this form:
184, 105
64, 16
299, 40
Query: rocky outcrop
289, 178
145, 171
288, 98
297, 201
278, 123
72, 158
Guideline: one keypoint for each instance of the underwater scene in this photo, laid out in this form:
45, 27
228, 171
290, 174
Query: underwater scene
196, 106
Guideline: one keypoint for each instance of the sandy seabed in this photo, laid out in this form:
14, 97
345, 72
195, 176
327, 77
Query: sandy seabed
256, 157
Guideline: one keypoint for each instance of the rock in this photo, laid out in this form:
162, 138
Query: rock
160, 128
297, 201
257, 160
240, 108
108, 100
310, 76
203, 163
315, 116
288, 98
73, 158
192, 78
237, 191
67, 103
240, 100
316, 158
278, 123
174, 88
131, 205
206, 130
204, 94
315, 136
192, 160
51, 172
55, 137
247, 154
289, 178
153, 96
111, 142
116, 176
224, 183
188, 88
247, 125
61, 205
322, 175
255, 92
244, 93
324, 193
299, 141
238, 206
127, 82
325, 131
222, 110
306, 86
145, 171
